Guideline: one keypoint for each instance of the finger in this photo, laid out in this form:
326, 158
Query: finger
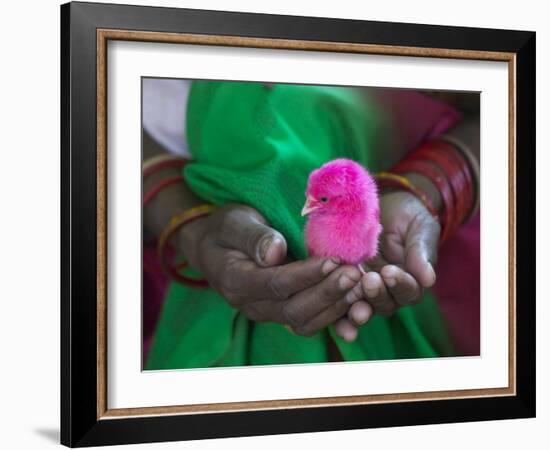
360, 313
259, 311
346, 330
375, 263
245, 229
377, 295
402, 286
332, 313
248, 282
323, 319
304, 305
392, 246
421, 251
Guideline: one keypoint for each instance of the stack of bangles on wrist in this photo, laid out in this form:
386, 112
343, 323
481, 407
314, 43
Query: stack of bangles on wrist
170, 269
451, 170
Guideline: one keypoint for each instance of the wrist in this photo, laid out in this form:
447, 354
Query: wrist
426, 186
188, 237
170, 236
439, 164
158, 212
172, 196
400, 183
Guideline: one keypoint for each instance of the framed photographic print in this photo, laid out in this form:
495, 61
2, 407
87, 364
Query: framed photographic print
277, 224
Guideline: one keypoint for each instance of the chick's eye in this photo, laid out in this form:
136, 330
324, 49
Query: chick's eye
324, 199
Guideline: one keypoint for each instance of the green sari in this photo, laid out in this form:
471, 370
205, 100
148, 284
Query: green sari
256, 144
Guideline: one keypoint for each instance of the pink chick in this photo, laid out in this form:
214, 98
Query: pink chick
344, 212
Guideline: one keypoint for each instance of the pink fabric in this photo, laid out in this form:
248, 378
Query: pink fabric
457, 287
154, 290
417, 118
414, 117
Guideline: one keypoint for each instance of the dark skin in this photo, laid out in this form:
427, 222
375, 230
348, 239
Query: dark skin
246, 261
403, 269
243, 259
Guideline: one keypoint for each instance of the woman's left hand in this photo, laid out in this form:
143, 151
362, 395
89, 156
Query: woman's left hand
404, 265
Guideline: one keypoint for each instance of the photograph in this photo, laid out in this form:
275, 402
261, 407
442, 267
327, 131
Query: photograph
275, 224
293, 223
280, 224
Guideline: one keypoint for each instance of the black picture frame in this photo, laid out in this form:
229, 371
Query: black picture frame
80, 424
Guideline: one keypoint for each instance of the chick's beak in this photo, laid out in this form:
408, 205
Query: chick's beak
310, 205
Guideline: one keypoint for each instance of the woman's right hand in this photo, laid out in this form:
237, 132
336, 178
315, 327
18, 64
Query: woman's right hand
245, 261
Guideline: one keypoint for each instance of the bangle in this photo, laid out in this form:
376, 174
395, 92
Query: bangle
466, 200
155, 190
173, 226
393, 180
443, 164
159, 162
473, 164
458, 177
437, 177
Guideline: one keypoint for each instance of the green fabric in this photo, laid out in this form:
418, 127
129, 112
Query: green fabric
256, 144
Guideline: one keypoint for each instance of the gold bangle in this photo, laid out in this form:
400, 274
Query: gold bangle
178, 221
393, 180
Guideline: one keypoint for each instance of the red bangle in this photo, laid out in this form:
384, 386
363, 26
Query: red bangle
461, 161
441, 162
163, 165
156, 268
430, 171
154, 191
457, 172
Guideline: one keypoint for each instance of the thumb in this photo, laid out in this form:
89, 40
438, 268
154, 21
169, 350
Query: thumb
421, 251
245, 229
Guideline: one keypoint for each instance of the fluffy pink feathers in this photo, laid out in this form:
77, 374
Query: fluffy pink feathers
344, 213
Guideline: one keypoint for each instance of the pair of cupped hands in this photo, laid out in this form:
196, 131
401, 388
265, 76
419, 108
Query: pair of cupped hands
246, 261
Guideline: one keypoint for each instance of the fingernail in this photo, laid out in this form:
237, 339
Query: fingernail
264, 246
372, 293
389, 271
361, 317
370, 282
350, 335
431, 277
345, 282
329, 265
361, 320
353, 295
350, 297
391, 282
